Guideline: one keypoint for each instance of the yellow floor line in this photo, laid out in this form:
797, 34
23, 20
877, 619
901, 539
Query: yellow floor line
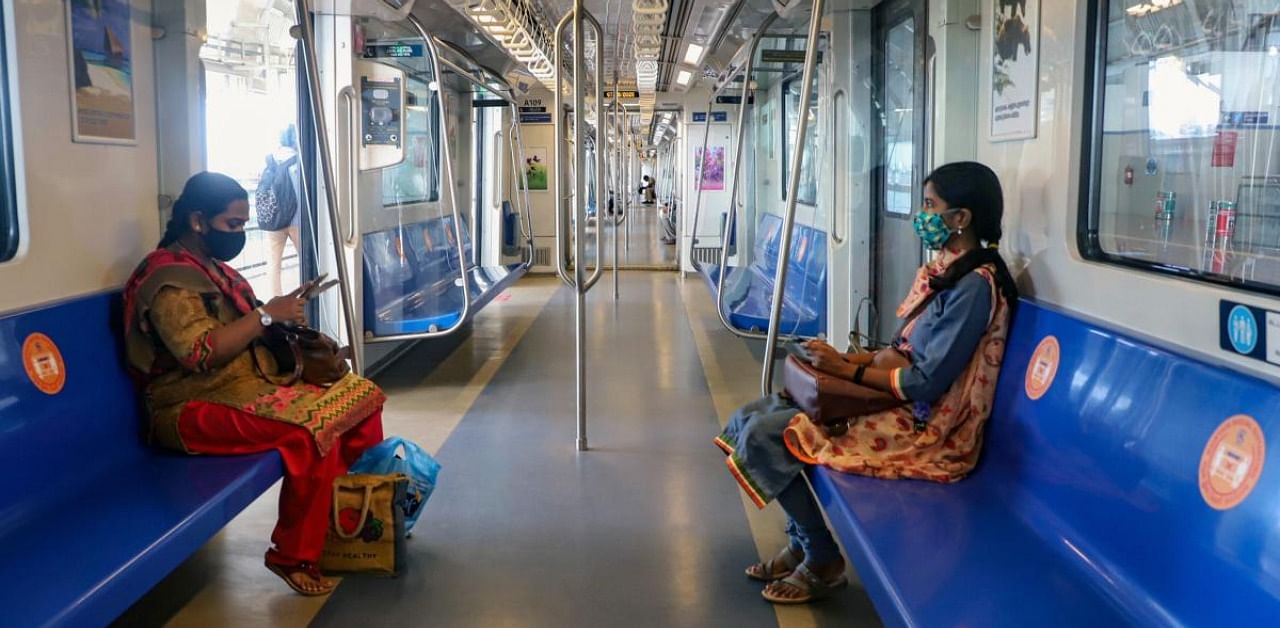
225, 584
733, 377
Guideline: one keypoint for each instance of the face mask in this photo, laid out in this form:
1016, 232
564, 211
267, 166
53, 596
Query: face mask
224, 245
932, 229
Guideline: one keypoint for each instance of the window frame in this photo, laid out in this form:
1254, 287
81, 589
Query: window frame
785, 165
1088, 219
10, 234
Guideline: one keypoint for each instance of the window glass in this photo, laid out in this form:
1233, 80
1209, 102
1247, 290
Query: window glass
1186, 162
412, 181
808, 190
8, 194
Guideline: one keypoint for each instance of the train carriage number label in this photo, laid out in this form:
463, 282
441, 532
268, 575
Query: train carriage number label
1232, 462
44, 364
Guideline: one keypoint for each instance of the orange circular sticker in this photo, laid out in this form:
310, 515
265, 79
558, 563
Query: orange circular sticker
1232, 462
1042, 368
44, 364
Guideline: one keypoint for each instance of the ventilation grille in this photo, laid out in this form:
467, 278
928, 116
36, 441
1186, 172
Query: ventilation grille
706, 254
542, 256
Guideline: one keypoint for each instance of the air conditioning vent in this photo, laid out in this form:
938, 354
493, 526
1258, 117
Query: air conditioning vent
706, 254
542, 256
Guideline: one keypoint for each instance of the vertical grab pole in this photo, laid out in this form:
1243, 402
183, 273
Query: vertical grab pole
580, 218
615, 220
309, 57
559, 159
793, 187
734, 198
600, 174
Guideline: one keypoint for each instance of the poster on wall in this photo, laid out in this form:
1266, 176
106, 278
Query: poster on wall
100, 47
712, 178
1015, 69
535, 168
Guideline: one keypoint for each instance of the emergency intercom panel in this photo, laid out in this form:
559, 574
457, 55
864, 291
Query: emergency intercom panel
380, 132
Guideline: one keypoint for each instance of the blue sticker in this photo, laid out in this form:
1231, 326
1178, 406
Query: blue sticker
1242, 329
1152, 167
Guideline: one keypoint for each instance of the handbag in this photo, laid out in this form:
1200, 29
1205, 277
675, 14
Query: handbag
366, 530
416, 464
304, 354
827, 399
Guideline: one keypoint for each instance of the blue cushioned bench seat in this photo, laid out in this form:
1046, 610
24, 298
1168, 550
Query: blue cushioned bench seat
92, 517
411, 279
1086, 509
750, 290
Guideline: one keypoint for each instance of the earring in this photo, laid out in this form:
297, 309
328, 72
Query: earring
960, 231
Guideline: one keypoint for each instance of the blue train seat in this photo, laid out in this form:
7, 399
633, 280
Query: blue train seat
804, 303
411, 275
92, 517
1086, 509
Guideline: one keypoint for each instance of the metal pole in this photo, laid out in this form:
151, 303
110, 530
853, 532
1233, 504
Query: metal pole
793, 187
600, 176
580, 217
615, 219
326, 170
562, 234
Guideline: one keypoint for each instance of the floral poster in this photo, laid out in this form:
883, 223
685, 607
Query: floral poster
712, 177
1015, 69
100, 46
535, 168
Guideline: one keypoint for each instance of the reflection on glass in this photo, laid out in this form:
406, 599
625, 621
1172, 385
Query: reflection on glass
898, 119
807, 193
416, 179
1189, 162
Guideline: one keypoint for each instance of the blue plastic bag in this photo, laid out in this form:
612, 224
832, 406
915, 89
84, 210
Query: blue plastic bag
422, 469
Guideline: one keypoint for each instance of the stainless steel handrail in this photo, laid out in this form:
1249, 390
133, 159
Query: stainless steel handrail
521, 191
793, 188
310, 57
735, 198
450, 188
348, 98
838, 97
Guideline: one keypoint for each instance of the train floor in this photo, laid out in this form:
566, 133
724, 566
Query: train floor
645, 529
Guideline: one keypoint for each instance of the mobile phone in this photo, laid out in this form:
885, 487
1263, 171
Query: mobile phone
316, 291
309, 287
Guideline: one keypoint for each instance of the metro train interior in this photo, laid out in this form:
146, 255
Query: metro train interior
575, 240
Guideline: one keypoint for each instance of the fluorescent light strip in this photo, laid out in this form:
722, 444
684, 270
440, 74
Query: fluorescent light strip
693, 54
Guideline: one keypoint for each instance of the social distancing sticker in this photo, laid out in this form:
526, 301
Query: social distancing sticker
1042, 368
1232, 462
44, 364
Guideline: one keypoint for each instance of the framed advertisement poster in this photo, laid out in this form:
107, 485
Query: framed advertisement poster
100, 49
535, 168
1015, 69
713, 177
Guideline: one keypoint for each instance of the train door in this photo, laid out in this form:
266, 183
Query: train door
898, 154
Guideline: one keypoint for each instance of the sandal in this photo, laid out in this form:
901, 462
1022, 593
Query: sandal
286, 573
768, 571
808, 583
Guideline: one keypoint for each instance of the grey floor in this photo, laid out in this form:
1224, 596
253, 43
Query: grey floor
645, 250
646, 529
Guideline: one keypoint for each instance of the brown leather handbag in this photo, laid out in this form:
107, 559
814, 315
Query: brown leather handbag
303, 354
831, 401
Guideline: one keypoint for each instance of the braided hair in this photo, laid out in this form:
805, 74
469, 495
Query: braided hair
973, 186
209, 193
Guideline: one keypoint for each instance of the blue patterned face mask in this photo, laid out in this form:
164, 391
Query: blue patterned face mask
932, 229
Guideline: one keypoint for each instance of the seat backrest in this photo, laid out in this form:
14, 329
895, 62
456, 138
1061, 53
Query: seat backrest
52, 442
1113, 463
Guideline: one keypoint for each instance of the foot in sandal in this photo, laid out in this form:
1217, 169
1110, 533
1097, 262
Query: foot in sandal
305, 578
807, 583
778, 567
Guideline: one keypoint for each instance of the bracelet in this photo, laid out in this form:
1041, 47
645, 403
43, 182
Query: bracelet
857, 375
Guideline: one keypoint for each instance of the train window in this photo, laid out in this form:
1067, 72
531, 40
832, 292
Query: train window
1184, 166
8, 176
808, 191
411, 181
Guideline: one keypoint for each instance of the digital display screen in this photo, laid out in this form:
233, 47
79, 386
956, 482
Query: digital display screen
392, 51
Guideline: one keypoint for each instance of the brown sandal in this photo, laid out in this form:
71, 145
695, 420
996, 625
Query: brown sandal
767, 571
286, 573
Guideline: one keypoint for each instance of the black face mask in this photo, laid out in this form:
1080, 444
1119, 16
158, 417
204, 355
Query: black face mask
224, 245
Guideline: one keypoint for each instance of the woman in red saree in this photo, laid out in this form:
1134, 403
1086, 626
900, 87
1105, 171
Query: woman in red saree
941, 369
191, 323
